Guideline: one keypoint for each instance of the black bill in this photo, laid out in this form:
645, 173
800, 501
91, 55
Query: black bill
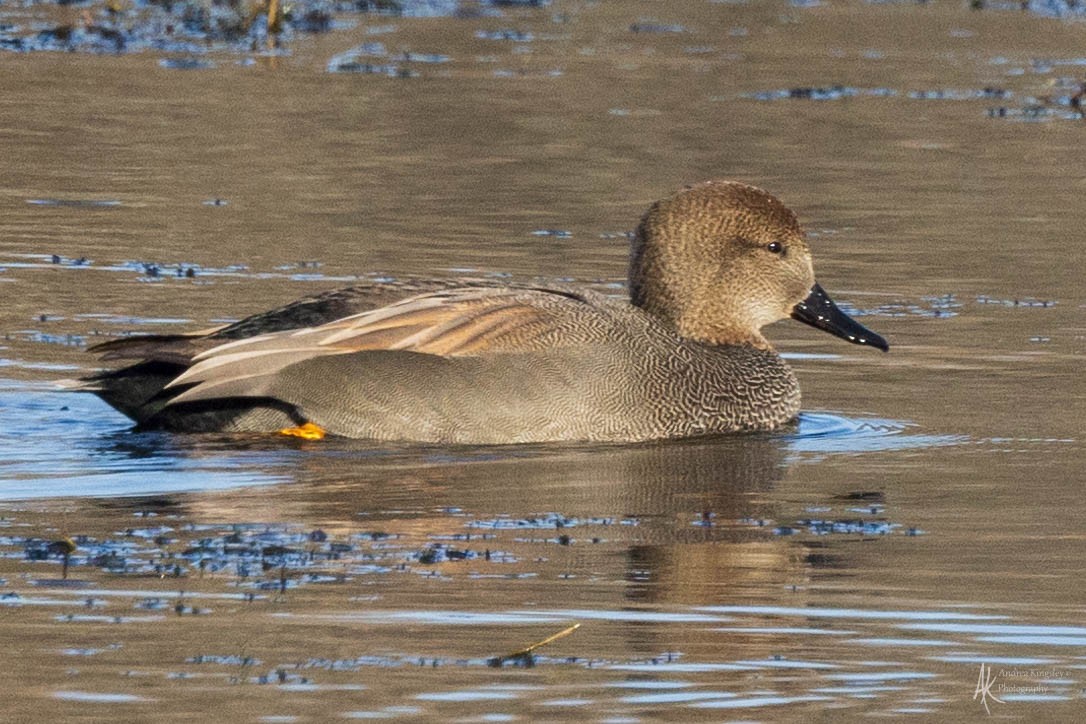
818, 310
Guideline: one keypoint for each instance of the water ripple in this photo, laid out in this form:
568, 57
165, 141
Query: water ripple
828, 432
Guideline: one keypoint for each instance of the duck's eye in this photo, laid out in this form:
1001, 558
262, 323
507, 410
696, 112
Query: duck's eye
775, 246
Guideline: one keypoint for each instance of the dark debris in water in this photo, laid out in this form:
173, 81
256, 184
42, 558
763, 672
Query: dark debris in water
551, 521
940, 306
856, 526
1056, 106
190, 28
79, 261
526, 657
360, 663
443, 554
155, 270
1043, 8
405, 8
1067, 105
505, 34
873, 496
950, 94
395, 65
64, 340
866, 520
944, 306
1018, 302
270, 560
819, 93
256, 557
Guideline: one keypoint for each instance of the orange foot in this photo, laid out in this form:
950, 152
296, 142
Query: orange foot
308, 431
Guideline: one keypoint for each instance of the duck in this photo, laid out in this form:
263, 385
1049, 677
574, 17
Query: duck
494, 362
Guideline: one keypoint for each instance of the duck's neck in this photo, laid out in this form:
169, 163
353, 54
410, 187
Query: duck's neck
722, 335
700, 328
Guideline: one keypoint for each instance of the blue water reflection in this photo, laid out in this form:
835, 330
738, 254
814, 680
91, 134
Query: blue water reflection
63, 445
71, 444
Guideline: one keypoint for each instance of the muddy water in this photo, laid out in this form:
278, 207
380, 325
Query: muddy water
924, 520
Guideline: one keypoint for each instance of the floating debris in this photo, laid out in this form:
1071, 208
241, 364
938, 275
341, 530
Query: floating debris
838, 527
428, 58
1043, 8
1027, 113
1022, 302
350, 61
193, 27
943, 306
524, 657
442, 554
959, 95
1067, 106
819, 93
552, 520
311, 19
409, 8
78, 261
506, 34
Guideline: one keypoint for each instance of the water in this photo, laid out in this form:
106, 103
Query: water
923, 520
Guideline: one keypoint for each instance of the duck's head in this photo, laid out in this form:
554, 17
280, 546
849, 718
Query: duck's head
720, 260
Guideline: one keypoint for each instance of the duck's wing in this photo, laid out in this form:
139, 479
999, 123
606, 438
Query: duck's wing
463, 322
137, 390
329, 306
177, 349
310, 311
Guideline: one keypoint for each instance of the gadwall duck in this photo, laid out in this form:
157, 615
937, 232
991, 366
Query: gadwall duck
495, 362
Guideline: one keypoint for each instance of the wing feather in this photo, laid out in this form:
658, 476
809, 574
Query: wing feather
462, 322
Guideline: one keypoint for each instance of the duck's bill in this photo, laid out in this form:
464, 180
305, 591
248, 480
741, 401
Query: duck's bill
818, 310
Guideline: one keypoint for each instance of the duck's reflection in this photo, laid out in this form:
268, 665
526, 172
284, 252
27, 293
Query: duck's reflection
694, 510
696, 504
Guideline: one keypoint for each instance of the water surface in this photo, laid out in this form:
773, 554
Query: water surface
923, 520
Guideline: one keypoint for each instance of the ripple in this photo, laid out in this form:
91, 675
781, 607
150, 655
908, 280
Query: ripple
76, 203
827, 432
857, 613
469, 695
98, 697
758, 701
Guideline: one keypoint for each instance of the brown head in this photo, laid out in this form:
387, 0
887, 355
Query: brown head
719, 261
